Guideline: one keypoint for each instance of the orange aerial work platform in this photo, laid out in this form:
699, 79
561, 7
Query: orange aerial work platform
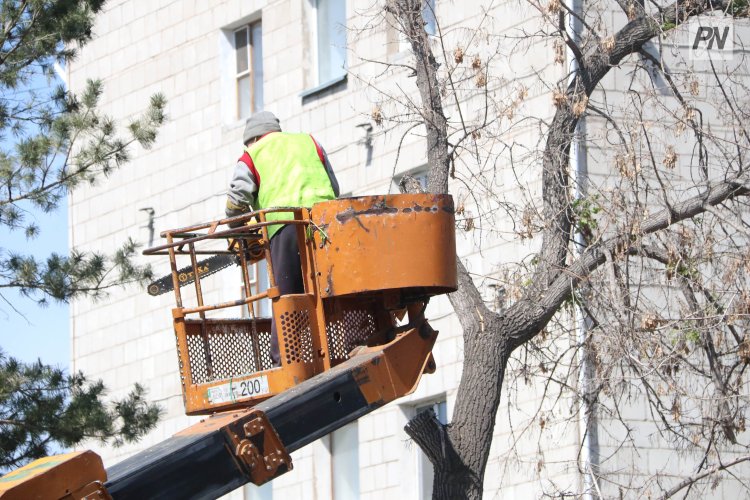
355, 340
364, 261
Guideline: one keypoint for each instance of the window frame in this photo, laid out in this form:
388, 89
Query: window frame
425, 469
253, 68
345, 466
258, 283
319, 83
397, 42
421, 173
429, 14
253, 492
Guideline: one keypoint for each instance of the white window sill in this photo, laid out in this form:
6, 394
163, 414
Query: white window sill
329, 85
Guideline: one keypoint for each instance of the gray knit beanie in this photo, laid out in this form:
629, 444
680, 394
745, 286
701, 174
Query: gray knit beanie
259, 124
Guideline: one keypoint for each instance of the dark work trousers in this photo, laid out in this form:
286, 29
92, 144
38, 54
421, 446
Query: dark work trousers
287, 271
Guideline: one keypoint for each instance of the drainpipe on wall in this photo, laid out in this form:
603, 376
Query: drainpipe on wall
587, 427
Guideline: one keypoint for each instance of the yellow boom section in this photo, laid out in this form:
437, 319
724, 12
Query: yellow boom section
73, 475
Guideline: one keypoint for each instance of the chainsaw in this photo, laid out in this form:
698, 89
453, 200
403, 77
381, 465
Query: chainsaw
186, 275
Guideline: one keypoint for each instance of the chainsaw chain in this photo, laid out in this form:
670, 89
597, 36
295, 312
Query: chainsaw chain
185, 276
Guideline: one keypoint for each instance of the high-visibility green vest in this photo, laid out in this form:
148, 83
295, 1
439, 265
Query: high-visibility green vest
291, 174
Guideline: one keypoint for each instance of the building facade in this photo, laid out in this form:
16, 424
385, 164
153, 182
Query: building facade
216, 63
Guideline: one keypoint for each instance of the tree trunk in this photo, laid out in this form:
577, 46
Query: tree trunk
460, 450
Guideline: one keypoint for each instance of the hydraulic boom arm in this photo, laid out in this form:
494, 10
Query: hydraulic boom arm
341, 348
227, 450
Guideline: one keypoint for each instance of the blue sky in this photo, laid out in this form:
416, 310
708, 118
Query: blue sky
38, 332
27, 331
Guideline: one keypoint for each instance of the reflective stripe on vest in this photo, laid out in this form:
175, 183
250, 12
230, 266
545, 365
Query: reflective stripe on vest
291, 173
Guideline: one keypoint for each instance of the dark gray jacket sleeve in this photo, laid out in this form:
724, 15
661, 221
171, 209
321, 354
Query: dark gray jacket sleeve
242, 191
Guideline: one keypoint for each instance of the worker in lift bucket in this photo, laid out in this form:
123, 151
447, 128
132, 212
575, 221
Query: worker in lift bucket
280, 169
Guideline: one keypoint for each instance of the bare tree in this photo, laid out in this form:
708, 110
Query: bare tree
649, 253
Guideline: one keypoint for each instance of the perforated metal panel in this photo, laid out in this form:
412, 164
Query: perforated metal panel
297, 336
227, 349
350, 328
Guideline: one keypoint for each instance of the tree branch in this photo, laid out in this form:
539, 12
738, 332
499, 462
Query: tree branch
595, 255
692, 480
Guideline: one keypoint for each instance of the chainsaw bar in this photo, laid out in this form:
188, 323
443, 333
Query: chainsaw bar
186, 275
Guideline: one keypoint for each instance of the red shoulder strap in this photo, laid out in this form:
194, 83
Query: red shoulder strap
319, 150
247, 160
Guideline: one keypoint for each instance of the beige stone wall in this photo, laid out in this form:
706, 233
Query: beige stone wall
179, 48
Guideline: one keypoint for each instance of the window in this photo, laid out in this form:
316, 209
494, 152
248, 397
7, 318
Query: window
397, 40
345, 462
264, 492
420, 174
248, 55
330, 40
258, 277
428, 14
425, 470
